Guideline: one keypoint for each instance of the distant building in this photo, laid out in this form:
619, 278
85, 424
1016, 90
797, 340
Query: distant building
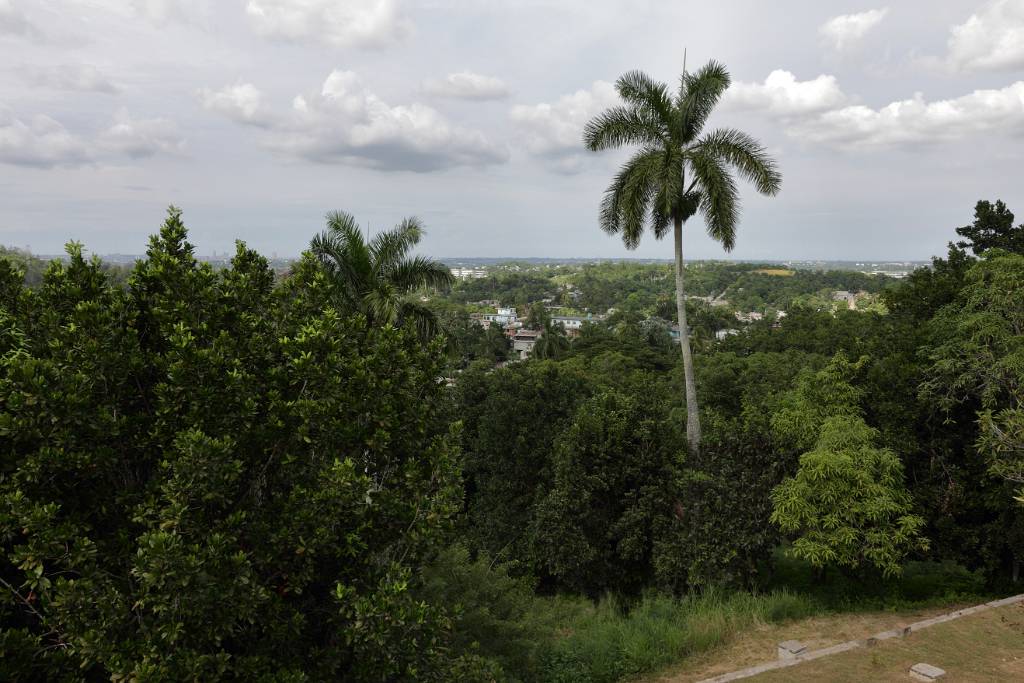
722, 334
523, 342
749, 317
468, 273
849, 297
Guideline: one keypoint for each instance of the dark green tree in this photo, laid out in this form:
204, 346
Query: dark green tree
608, 516
207, 477
377, 278
680, 170
992, 228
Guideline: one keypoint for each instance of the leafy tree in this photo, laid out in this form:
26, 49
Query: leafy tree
654, 187
607, 513
724, 509
511, 418
375, 278
847, 504
208, 477
992, 228
982, 358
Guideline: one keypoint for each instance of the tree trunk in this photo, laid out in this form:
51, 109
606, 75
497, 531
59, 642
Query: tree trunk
692, 413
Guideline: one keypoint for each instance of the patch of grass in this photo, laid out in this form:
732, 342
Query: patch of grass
779, 272
608, 643
988, 646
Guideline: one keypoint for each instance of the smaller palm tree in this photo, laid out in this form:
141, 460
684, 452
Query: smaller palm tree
553, 343
377, 278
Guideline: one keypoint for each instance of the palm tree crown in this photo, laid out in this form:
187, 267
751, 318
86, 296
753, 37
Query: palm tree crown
679, 169
376, 277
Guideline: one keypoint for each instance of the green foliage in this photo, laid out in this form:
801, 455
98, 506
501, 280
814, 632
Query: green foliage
496, 617
992, 228
376, 278
607, 644
982, 358
816, 397
511, 418
605, 521
726, 538
207, 477
847, 504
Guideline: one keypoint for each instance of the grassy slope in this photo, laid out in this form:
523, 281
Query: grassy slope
982, 647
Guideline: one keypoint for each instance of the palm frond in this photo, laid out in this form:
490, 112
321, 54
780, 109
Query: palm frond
331, 251
421, 318
389, 248
418, 272
640, 90
719, 197
620, 125
625, 205
746, 155
699, 92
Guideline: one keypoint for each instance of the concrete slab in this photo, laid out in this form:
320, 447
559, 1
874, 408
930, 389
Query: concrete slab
926, 672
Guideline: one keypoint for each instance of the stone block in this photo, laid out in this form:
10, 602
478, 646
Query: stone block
926, 672
791, 649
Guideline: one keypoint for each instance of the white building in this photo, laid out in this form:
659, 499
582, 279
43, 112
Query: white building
468, 273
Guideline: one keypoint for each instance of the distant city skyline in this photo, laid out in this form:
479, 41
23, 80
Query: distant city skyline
258, 116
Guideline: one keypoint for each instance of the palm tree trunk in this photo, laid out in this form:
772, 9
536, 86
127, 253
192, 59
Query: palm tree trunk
692, 413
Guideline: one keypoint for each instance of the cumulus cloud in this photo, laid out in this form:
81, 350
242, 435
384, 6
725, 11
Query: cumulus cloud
783, 95
353, 23
14, 22
348, 124
71, 77
467, 85
846, 30
138, 138
44, 142
916, 122
41, 142
242, 103
555, 130
991, 39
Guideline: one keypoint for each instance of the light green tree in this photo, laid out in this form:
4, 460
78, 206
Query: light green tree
679, 170
847, 505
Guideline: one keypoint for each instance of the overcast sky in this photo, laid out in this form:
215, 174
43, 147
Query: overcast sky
258, 116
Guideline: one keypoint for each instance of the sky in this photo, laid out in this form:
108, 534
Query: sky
257, 117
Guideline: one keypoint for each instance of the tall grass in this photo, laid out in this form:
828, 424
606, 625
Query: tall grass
607, 643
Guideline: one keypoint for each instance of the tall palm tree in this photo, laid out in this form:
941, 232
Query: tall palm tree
375, 278
679, 170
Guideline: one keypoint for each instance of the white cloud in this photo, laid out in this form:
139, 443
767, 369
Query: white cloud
783, 95
992, 39
139, 138
41, 142
242, 103
346, 123
915, 122
156, 11
44, 142
556, 130
351, 23
467, 85
14, 21
847, 29
71, 77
